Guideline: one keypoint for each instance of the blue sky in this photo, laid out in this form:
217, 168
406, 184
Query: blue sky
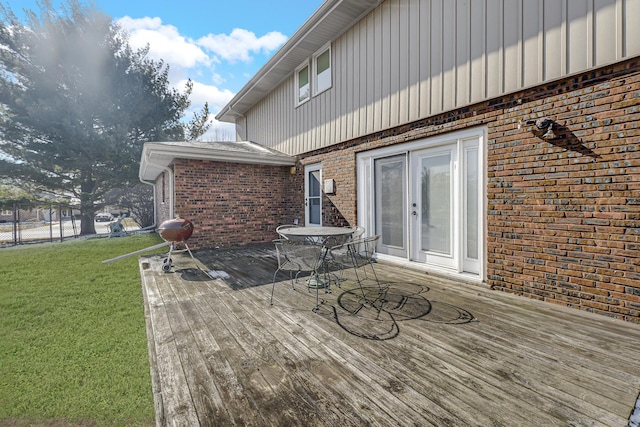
219, 45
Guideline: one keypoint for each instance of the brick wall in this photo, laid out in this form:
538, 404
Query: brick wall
563, 215
232, 204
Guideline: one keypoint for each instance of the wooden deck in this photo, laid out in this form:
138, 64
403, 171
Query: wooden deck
432, 352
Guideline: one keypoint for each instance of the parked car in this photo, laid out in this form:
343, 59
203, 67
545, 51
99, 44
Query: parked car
104, 217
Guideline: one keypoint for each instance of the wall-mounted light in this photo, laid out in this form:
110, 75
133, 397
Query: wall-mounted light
543, 127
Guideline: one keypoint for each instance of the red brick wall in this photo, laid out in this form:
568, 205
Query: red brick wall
232, 204
563, 219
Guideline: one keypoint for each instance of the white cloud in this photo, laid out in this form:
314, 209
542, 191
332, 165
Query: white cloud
165, 42
217, 99
202, 93
238, 45
204, 60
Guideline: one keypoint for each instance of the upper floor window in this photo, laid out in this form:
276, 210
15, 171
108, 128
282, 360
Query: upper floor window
322, 70
302, 83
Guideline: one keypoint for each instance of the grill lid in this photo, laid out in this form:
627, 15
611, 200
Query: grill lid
176, 230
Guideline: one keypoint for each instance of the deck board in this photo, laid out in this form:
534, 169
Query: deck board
442, 352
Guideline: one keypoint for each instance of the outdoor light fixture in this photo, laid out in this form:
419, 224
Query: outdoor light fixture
543, 127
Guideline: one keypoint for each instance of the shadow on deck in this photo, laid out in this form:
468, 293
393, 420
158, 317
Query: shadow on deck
423, 350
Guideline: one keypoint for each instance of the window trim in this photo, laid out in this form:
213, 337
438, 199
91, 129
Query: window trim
297, 79
314, 65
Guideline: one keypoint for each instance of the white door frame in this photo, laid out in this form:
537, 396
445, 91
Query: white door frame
366, 194
312, 199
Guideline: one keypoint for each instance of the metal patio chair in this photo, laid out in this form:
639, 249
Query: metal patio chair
357, 254
328, 263
334, 244
298, 257
357, 234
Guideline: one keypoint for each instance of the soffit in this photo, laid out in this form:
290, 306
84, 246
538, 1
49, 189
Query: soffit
332, 19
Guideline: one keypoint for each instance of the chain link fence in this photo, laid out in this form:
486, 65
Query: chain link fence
29, 222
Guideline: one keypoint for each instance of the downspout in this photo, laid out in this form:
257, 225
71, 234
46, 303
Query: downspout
170, 178
155, 213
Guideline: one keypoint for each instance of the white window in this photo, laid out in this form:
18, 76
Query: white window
303, 85
322, 70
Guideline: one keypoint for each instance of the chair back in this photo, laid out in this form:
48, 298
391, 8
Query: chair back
294, 255
363, 249
357, 234
332, 241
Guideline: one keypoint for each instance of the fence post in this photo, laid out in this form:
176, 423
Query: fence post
15, 224
18, 228
50, 224
60, 221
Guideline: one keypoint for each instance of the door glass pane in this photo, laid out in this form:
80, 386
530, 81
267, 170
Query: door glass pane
314, 211
303, 84
436, 204
390, 200
323, 71
314, 196
314, 184
472, 203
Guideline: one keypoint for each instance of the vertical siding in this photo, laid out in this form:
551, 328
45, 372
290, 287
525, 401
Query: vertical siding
409, 59
477, 40
532, 60
631, 33
578, 32
424, 74
605, 46
463, 51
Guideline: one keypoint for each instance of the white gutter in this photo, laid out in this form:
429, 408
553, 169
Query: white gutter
259, 155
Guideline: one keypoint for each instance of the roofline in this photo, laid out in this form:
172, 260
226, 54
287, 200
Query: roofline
158, 155
228, 113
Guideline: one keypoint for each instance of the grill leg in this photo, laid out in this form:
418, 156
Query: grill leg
166, 264
192, 257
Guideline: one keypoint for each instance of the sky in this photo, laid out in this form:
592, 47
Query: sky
219, 45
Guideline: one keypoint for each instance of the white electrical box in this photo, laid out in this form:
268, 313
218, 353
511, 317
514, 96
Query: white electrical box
329, 186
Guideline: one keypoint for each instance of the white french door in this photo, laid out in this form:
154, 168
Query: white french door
433, 206
313, 195
425, 200
391, 205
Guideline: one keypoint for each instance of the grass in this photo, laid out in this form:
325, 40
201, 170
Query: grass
73, 348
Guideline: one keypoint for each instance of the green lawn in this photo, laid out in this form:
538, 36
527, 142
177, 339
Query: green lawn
73, 347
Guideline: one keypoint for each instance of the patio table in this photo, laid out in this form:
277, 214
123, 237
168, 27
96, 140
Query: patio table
319, 232
319, 235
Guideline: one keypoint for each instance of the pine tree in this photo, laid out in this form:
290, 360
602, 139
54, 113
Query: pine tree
77, 103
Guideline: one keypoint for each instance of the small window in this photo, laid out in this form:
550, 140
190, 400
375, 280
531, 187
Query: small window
322, 67
302, 83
